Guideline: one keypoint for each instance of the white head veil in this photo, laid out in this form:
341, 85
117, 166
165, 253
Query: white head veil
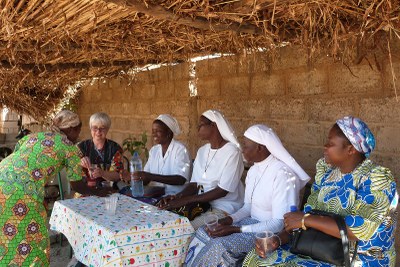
223, 125
264, 135
171, 123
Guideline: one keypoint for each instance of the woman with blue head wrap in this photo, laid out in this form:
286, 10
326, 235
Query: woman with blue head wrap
347, 183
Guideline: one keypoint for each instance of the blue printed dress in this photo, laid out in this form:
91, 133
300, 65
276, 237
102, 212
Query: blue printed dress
366, 198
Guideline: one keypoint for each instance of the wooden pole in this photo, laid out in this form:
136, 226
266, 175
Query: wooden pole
161, 13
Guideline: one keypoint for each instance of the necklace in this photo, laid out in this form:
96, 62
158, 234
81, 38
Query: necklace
256, 182
208, 155
209, 162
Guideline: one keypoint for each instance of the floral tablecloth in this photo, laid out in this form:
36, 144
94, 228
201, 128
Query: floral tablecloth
137, 235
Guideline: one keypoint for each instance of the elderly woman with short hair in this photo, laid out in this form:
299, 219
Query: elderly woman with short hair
101, 151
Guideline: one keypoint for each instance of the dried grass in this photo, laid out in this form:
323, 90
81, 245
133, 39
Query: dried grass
46, 45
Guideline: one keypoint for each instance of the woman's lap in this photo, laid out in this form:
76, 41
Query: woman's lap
214, 251
281, 257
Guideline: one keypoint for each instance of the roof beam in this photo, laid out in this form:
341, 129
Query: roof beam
4, 64
161, 13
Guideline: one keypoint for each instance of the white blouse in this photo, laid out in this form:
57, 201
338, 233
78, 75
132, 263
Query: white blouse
176, 161
270, 191
221, 168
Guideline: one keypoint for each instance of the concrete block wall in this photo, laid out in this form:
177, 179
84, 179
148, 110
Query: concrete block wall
134, 104
298, 100
9, 122
301, 102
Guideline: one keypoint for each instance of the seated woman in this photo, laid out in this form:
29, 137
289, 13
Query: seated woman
272, 186
169, 162
99, 150
216, 171
351, 185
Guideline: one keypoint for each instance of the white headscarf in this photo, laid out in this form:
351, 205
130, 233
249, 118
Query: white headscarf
171, 122
264, 135
223, 125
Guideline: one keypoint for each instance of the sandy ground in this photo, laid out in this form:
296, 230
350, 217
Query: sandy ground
59, 254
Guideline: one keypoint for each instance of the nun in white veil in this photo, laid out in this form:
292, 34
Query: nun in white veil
272, 187
216, 174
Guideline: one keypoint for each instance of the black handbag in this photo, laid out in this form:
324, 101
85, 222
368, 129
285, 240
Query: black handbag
323, 247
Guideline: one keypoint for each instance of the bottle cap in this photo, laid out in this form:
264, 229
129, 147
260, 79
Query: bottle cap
293, 208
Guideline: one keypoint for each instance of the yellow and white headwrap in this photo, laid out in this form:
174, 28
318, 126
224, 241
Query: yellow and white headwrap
65, 119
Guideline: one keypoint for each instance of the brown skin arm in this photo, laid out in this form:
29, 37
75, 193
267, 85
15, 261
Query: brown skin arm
107, 175
82, 188
147, 177
223, 230
188, 199
189, 190
324, 224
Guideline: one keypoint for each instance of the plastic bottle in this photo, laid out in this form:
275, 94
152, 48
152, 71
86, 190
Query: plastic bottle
293, 208
135, 165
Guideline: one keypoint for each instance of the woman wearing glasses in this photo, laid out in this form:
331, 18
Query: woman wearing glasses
102, 157
216, 173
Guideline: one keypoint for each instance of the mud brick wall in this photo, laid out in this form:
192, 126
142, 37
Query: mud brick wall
300, 101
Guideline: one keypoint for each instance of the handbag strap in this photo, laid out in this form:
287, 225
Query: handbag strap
343, 234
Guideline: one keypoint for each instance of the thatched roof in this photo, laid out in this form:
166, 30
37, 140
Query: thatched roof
46, 45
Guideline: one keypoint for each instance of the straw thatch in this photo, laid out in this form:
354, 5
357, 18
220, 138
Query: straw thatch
46, 45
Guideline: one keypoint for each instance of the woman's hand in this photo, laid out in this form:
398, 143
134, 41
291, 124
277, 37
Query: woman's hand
97, 172
225, 221
162, 204
223, 230
85, 162
142, 175
292, 220
125, 176
177, 203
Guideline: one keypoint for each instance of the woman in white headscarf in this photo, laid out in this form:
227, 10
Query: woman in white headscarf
272, 187
169, 162
216, 171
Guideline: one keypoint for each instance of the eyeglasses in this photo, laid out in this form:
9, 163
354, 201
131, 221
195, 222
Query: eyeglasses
97, 129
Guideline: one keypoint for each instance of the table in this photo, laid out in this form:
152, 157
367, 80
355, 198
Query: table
137, 235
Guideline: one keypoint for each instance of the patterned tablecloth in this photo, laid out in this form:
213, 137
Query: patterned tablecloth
137, 235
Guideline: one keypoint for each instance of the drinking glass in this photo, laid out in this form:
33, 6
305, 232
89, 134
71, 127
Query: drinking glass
111, 204
211, 221
265, 241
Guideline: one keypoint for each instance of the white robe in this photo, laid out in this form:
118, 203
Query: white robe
176, 161
271, 188
221, 168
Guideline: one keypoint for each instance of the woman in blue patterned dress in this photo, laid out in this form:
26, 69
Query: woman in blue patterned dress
347, 183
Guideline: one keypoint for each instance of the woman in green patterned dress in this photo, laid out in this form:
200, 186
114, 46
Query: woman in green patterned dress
23, 174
